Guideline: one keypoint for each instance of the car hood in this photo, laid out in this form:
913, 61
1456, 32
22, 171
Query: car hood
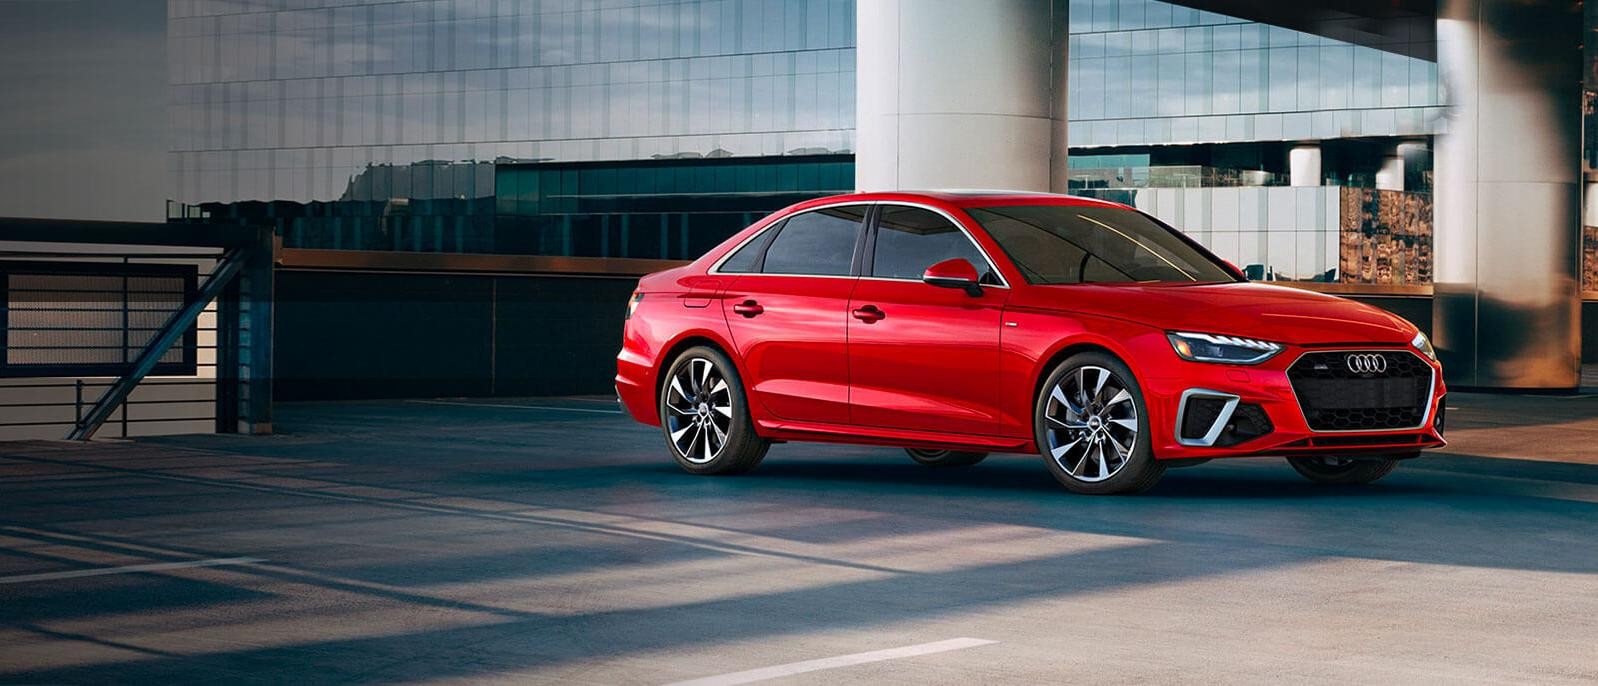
1275, 313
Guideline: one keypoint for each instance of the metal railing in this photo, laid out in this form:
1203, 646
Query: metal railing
141, 331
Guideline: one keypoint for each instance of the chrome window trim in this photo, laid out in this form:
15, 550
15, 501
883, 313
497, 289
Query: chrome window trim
1425, 415
993, 266
716, 268
1214, 433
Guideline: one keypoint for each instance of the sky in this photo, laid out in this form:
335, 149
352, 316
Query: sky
83, 127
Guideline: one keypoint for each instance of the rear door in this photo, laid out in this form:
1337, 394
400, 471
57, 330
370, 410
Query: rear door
787, 313
920, 356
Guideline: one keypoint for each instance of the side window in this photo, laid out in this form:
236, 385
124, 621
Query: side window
910, 239
743, 260
819, 242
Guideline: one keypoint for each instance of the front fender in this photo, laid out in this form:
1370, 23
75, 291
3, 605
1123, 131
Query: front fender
1034, 341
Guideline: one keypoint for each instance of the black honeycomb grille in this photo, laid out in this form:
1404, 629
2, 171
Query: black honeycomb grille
1335, 398
1200, 415
1248, 423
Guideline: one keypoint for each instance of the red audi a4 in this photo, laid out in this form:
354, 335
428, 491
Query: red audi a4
956, 324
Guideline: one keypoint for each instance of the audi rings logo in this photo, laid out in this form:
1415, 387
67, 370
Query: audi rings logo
1366, 363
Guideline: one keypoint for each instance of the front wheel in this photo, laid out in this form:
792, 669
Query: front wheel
1342, 471
1092, 427
705, 413
944, 458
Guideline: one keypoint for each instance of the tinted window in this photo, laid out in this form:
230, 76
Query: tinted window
743, 260
1090, 244
819, 242
910, 239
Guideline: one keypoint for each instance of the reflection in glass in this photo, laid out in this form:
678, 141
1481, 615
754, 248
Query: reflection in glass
379, 124
1137, 60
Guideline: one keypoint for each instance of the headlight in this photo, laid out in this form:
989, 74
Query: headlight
1208, 347
1424, 345
632, 305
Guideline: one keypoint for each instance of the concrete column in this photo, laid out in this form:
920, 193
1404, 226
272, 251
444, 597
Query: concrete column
1390, 177
1506, 220
961, 94
1304, 165
1395, 166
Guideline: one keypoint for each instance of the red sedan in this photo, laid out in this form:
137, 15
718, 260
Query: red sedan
959, 324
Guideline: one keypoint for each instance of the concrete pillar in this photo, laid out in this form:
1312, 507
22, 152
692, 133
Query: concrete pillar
1390, 177
1395, 165
961, 94
1506, 222
1304, 165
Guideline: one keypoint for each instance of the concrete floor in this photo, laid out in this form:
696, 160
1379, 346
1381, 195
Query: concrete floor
547, 540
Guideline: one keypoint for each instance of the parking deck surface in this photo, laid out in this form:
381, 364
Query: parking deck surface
551, 540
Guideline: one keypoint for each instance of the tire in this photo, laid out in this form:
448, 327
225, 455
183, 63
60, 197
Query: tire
1072, 443
702, 398
944, 458
1342, 471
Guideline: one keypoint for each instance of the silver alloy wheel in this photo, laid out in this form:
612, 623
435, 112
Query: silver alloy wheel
699, 408
1092, 424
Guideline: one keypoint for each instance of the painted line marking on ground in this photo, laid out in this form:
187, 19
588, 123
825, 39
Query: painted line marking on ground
516, 407
129, 569
792, 668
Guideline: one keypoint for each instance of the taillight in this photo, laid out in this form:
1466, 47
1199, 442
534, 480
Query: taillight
632, 305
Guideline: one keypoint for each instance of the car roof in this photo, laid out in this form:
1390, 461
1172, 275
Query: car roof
974, 197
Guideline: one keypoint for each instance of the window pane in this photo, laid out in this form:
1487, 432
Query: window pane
744, 259
820, 242
1084, 244
910, 239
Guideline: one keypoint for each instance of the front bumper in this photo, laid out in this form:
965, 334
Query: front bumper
1267, 386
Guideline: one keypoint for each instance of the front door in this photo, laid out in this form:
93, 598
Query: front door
920, 356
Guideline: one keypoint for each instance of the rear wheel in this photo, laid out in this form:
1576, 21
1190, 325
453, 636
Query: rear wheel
705, 413
1092, 427
944, 458
1342, 471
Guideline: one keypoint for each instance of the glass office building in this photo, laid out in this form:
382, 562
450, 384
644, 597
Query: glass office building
1152, 73
377, 125
650, 128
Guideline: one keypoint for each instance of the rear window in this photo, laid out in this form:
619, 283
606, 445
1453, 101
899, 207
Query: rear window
745, 258
821, 242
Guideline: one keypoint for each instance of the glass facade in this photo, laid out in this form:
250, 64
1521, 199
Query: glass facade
655, 128
668, 209
1144, 72
291, 100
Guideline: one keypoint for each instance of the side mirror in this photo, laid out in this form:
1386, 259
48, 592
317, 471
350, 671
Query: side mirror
1235, 269
954, 273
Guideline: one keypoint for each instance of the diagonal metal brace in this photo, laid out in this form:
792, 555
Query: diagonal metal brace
224, 271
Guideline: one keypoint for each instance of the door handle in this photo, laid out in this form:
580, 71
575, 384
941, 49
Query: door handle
869, 314
748, 308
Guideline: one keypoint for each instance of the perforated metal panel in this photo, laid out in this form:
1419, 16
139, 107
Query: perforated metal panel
90, 318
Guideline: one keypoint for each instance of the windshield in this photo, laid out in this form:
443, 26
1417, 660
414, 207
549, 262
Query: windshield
1091, 244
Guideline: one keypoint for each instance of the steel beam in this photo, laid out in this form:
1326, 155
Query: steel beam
221, 275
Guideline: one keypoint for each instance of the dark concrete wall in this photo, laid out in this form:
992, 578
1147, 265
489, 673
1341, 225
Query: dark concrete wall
351, 335
1589, 332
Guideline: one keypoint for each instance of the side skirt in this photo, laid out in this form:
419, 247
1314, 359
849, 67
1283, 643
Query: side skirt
819, 432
